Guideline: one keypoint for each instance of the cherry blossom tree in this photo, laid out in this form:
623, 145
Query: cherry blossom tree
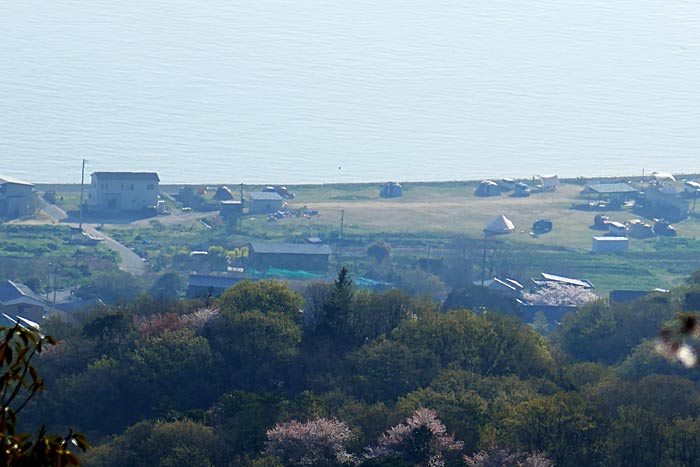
319, 443
561, 295
501, 457
422, 440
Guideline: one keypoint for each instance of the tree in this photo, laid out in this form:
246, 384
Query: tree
561, 295
265, 296
19, 383
501, 457
319, 443
167, 286
380, 251
422, 440
111, 287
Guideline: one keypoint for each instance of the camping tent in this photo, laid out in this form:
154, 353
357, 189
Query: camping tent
500, 225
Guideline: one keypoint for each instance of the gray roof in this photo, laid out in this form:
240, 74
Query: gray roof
145, 176
291, 248
11, 291
15, 181
264, 195
607, 188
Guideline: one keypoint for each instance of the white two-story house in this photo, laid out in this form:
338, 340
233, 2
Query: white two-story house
121, 192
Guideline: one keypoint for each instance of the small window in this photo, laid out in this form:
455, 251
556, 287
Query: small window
132, 187
150, 186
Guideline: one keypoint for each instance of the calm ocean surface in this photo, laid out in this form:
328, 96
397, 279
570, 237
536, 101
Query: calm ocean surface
319, 91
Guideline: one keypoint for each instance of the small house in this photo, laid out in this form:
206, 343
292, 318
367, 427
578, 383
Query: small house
312, 257
610, 244
16, 198
262, 202
19, 300
113, 193
488, 188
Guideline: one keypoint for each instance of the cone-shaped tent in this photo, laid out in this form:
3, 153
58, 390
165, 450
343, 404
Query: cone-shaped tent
500, 225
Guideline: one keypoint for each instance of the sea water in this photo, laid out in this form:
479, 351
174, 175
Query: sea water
316, 91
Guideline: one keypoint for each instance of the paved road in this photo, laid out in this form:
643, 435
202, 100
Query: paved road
52, 210
131, 262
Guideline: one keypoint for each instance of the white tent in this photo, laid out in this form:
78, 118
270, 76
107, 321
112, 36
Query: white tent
500, 225
549, 182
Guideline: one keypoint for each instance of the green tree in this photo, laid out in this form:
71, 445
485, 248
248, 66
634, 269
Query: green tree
265, 296
19, 383
167, 286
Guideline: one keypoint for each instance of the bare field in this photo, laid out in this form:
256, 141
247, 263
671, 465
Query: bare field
450, 210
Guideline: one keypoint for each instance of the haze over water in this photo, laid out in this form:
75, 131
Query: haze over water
314, 91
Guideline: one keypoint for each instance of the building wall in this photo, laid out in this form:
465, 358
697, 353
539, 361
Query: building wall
263, 206
16, 200
607, 246
122, 195
30, 312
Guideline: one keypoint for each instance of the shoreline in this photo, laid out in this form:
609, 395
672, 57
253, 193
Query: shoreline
471, 182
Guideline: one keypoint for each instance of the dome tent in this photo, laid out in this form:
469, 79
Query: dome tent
500, 225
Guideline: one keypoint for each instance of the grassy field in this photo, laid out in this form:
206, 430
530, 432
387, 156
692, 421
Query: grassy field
429, 219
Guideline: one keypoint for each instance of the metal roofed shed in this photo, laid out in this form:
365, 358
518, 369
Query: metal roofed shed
614, 193
263, 202
554, 279
610, 244
204, 285
293, 256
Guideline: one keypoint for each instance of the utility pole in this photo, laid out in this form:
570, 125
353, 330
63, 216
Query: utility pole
82, 183
340, 234
483, 266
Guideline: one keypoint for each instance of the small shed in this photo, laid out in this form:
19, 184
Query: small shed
488, 188
614, 193
500, 225
205, 285
391, 190
610, 244
260, 202
231, 211
311, 257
